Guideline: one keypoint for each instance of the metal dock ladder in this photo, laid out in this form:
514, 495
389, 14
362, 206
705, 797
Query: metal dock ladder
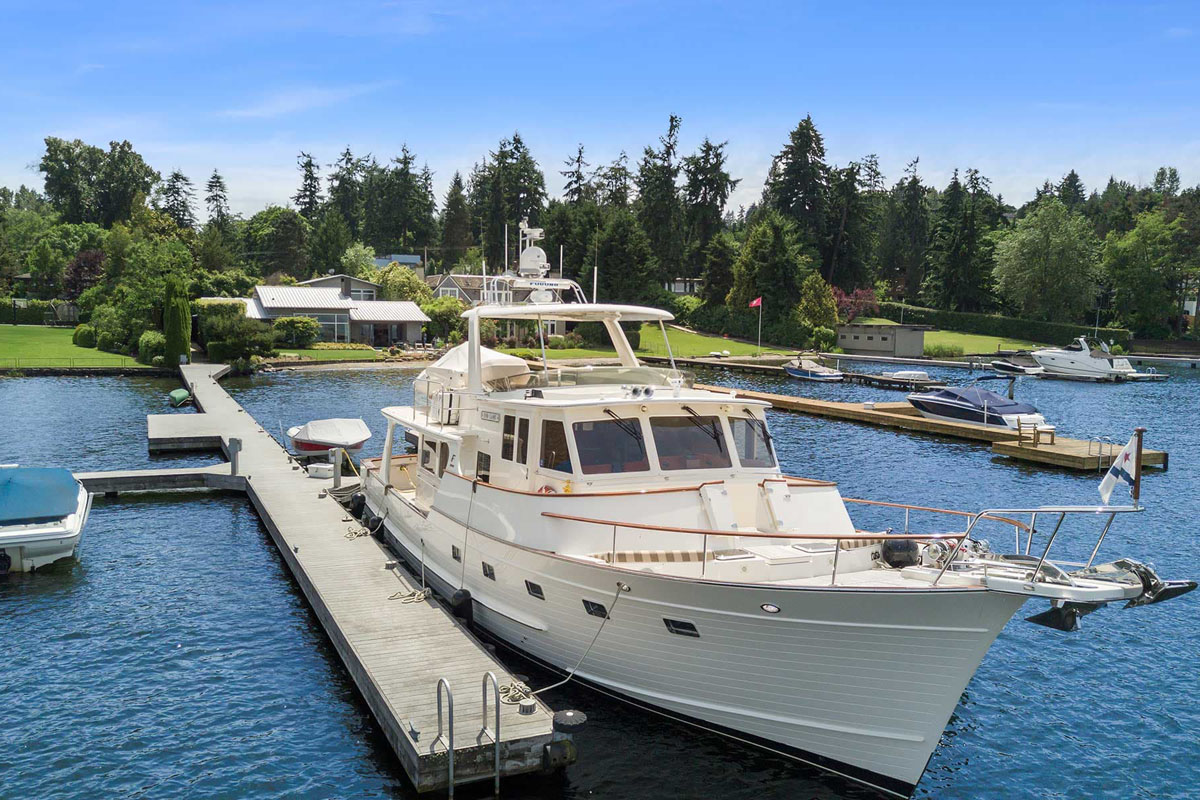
445, 733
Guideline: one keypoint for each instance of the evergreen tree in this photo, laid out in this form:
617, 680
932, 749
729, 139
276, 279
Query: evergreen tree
175, 200
625, 261
329, 241
660, 211
960, 255
707, 186
851, 218
719, 258
345, 189
772, 264
798, 183
904, 237
308, 197
614, 183
457, 235
177, 320
506, 189
1071, 191
577, 186
216, 198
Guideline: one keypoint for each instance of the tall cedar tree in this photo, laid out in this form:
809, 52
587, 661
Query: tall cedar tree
308, 197
626, 273
798, 183
177, 320
345, 189
216, 198
504, 190
659, 209
457, 235
577, 186
175, 199
706, 189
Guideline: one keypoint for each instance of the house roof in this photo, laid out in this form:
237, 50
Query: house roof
253, 309
386, 311
339, 275
400, 258
300, 297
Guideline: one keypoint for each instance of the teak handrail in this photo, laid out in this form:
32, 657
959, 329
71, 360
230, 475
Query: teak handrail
748, 535
1013, 522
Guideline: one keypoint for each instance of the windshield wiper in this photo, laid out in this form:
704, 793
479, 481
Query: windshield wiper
695, 418
626, 425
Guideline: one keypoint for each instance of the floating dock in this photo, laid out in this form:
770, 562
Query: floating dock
396, 646
891, 382
1068, 453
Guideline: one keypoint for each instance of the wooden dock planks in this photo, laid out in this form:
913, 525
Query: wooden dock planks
395, 651
1066, 453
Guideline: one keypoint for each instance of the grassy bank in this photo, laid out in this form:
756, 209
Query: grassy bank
969, 342
684, 344
41, 346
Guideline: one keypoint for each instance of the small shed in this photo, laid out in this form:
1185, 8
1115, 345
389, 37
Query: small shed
901, 341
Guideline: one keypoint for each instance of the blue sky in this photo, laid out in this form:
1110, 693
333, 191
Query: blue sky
1022, 92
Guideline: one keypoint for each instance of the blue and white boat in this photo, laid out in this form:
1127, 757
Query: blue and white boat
808, 370
42, 513
977, 405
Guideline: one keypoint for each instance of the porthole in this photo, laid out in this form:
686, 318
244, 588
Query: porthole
488, 571
770, 608
595, 609
455, 553
681, 628
535, 590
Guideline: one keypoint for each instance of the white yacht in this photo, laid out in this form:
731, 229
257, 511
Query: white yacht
42, 514
637, 533
1088, 359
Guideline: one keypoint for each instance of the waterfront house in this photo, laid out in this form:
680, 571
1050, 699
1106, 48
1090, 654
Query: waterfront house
343, 317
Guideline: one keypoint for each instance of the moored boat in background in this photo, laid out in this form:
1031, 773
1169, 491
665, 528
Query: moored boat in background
42, 514
808, 370
322, 436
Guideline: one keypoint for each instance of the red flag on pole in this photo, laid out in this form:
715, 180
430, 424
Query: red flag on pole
756, 302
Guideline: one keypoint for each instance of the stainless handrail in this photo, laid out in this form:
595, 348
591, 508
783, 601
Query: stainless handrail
450, 738
490, 676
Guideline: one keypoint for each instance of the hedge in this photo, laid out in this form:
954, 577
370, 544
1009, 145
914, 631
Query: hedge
33, 314
742, 323
84, 336
996, 325
151, 344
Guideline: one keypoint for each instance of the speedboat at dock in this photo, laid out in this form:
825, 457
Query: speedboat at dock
808, 370
42, 514
1090, 360
975, 404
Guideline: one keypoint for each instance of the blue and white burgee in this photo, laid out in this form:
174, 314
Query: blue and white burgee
1123, 470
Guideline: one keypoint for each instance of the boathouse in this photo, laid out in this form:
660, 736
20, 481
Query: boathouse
902, 341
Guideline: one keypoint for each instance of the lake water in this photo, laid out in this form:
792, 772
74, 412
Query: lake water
176, 658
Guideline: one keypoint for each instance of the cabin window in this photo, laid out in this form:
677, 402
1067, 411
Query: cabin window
595, 609
515, 439
506, 445
429, 455
443, 459
691, 442
455, 553
489, 571
682, 628
535, 590
555, 454
752, 442
483, 467
611, 445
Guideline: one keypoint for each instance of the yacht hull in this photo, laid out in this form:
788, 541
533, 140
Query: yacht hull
856, 682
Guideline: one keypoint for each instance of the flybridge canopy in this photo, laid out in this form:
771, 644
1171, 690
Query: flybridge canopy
572, 312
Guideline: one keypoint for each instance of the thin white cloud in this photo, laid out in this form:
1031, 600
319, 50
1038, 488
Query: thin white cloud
1178, 33
291, 101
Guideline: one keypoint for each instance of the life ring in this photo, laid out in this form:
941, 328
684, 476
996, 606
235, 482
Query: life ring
547, 489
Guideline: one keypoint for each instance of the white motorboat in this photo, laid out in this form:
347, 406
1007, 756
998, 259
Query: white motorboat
637, 533
42, 514
323, 436
1088, 359
808, 370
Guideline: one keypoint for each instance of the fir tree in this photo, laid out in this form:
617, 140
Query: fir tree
660, 211
308, 197
175, 200
707, 186
216, 198
1071, 191
577, 186
457, 235
798, 183
345, 189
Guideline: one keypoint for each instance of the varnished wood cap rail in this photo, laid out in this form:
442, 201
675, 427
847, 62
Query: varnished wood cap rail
1013, 522
608, 523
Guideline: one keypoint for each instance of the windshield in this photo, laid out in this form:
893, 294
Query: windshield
692, 442
752, 442
614, 445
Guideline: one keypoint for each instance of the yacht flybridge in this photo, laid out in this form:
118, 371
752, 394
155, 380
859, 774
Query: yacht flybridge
636, 532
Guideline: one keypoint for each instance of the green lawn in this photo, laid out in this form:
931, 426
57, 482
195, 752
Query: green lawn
684, 344
969, 342
333, 355
41, 346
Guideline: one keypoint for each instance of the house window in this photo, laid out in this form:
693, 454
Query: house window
535, 590
489, 572
555, 453
455, 553
483, 467
449, 291
362, 294
682, 628
870, 338
883, 338
595, 609
856, 337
